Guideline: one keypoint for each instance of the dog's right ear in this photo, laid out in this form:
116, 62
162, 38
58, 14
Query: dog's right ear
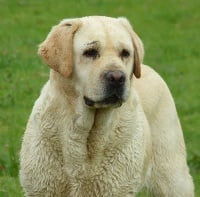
57, 49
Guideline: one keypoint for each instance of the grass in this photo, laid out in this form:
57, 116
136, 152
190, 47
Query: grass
169, 30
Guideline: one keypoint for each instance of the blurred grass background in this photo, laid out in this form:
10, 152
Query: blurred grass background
169, 29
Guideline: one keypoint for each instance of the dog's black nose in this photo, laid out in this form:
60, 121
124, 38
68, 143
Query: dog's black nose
115, 78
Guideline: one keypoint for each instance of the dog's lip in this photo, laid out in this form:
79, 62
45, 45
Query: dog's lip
112, 99
88, 101
108, 101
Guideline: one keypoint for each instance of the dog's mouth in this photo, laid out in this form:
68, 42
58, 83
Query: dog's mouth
111, 101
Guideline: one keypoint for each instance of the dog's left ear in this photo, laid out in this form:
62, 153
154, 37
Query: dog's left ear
138, 47
57, 49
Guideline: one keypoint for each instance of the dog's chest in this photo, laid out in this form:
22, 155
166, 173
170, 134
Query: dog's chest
115, 147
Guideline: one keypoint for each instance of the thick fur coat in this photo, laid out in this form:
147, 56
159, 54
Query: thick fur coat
104, 124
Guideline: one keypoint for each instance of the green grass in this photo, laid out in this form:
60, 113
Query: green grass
170, 32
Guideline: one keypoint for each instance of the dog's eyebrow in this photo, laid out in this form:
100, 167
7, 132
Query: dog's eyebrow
92, 43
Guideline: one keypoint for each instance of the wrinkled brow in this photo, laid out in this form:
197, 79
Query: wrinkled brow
93, 43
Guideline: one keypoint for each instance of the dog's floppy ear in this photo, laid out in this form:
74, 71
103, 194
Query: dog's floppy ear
57, 49
138, 47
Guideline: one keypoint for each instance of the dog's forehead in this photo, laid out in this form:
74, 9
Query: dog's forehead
101, 29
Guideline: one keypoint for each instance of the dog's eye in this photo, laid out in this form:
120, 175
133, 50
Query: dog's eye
124, 54
91, 53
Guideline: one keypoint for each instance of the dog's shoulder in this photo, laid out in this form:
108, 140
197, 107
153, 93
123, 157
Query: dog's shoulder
153, 91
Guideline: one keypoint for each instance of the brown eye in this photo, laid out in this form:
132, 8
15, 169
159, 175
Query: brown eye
91, 53
124, 54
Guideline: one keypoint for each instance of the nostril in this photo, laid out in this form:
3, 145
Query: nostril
115, 77
122, 80
110, 77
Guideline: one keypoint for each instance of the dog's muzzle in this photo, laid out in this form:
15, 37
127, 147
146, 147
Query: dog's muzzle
114, 90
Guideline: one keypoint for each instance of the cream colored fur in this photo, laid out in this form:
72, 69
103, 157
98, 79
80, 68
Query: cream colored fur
70, 149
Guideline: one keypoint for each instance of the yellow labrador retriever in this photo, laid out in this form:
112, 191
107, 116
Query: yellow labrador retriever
104, 125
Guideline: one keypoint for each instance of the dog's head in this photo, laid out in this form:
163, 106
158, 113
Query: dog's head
99, 53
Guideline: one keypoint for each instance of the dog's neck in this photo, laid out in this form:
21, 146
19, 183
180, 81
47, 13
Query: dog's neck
98, 136
95, 124
64, 86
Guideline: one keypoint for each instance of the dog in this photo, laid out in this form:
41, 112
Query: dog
104, 124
